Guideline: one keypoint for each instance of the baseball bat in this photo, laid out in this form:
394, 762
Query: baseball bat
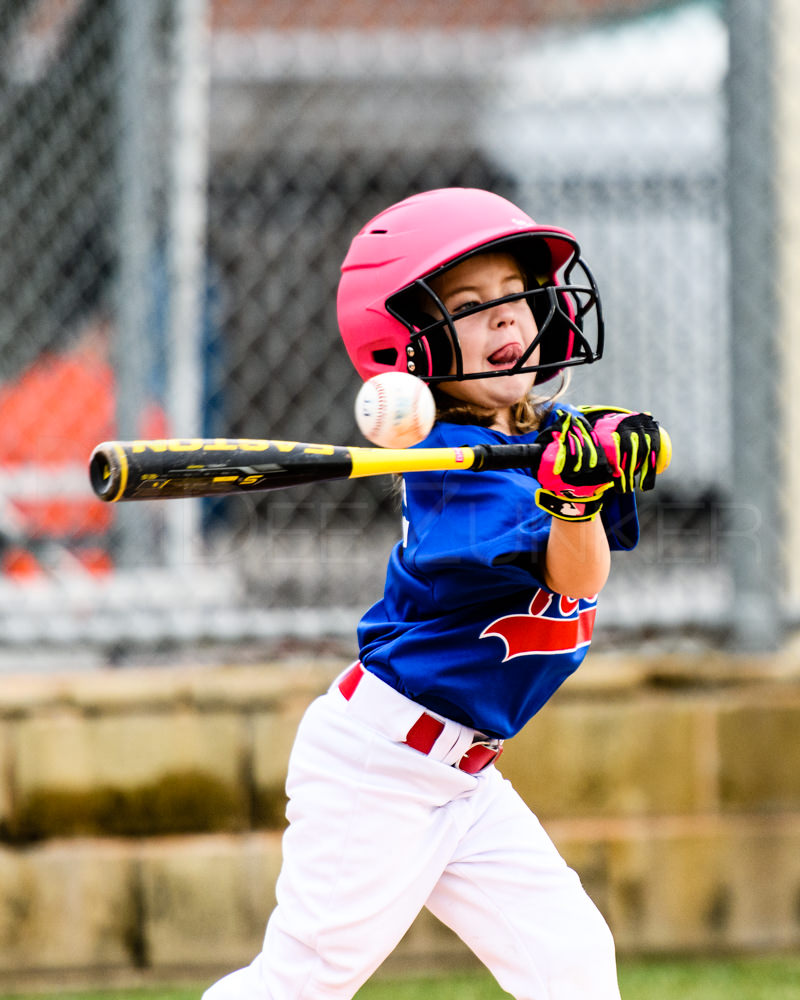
204, 467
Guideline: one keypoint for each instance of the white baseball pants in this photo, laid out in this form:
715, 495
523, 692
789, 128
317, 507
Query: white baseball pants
377, 831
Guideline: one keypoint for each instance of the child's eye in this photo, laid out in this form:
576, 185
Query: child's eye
463, 306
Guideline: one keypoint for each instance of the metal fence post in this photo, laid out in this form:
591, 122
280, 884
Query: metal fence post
133, 351
787, 132
753, 522
186, 246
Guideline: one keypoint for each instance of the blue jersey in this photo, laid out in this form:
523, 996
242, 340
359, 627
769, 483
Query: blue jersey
467, 627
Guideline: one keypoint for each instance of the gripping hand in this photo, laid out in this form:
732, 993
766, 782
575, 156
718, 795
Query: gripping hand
635, 446
573, 472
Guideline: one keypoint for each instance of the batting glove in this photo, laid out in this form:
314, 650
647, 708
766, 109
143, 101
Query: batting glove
631, 443
573, 472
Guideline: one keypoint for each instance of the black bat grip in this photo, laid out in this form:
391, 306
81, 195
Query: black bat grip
489, 457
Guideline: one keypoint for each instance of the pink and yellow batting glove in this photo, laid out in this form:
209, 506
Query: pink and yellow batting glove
573, 471
634, 444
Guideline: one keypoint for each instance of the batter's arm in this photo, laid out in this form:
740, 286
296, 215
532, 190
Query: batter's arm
578, 559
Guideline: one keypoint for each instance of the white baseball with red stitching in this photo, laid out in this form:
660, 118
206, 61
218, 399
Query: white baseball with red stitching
395, 410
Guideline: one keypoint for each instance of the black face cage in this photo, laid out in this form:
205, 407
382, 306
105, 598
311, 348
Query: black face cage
568, 316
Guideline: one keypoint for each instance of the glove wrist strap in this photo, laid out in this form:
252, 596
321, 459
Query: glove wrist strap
568, 510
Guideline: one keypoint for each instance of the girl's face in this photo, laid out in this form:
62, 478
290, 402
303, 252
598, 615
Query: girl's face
493, 339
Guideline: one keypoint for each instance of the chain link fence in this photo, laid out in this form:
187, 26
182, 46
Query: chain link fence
181, 180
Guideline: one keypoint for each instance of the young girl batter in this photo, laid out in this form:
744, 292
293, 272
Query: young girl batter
395, 801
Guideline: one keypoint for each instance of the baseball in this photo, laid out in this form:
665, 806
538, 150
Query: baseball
395, 410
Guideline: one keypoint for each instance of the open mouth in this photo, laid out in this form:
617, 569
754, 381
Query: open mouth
505, 356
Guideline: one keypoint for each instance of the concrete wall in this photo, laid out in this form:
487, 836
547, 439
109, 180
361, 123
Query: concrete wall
140, 811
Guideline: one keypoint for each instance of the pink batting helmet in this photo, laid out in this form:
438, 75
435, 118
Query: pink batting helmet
385, 279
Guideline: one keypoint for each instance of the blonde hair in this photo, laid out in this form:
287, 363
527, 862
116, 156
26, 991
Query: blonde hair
526, 414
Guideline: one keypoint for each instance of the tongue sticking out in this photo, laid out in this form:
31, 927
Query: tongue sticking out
506, 355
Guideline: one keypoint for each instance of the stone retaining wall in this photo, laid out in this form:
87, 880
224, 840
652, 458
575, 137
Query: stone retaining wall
140, 811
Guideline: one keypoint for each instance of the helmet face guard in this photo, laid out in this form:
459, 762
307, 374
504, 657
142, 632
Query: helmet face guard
391, 318
568, 317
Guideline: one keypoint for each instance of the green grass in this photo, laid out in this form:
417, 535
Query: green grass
775, 978
734, 979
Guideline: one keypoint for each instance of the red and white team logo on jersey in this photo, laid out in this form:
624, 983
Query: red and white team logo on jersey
552, 624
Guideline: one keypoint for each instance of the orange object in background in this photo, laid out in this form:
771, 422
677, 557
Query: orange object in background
51, 417
20, 564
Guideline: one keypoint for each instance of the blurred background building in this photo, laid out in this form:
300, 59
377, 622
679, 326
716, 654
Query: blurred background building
181, 180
